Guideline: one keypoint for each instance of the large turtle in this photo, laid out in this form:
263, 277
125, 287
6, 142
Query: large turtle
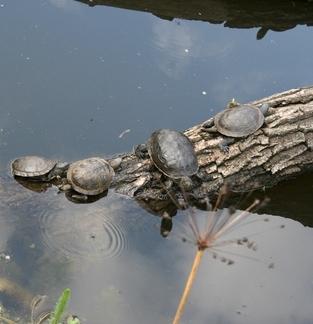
172, 153
38, 168
236, 121
89, 177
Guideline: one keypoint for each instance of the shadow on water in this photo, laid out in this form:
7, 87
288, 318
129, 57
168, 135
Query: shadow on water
292, 199
267, 15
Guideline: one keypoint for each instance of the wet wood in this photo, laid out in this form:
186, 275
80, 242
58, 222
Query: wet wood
281, 149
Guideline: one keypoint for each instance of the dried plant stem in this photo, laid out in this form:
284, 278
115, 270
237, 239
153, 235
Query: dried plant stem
190, 280
6, 320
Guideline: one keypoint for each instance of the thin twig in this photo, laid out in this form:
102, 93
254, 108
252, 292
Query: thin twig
190, 280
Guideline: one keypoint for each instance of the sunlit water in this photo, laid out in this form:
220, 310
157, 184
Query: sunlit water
78, 82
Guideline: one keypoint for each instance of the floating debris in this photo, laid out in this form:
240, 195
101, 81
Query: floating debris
5, 257
124, 133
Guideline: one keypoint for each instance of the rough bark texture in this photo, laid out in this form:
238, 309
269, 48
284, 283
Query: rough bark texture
282, 148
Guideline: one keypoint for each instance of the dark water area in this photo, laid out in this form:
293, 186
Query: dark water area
79, 81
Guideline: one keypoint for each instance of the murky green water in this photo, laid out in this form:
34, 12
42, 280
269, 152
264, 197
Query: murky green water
73, 79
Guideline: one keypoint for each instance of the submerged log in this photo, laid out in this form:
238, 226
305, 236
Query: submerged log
281, 149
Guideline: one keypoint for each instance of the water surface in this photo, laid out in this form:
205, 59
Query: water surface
74, 78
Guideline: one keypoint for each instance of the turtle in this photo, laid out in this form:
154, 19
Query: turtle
238, 120
37, 168
172, 153
89, 177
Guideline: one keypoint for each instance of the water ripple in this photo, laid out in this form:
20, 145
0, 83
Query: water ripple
83, 233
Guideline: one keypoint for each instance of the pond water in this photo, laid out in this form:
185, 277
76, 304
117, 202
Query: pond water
81, 81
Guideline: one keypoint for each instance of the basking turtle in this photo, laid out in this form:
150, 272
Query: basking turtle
237, 121
172, 153
38, 168
89, 177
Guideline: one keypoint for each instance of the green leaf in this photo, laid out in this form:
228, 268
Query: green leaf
60, 307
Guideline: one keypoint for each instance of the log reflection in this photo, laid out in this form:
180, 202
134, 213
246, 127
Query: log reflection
267, 15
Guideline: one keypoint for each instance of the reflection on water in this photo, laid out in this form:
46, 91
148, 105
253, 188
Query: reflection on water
248, 291
120, 270
239, 14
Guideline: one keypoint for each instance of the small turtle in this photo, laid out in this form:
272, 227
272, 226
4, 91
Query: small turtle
89, 177
236, 121
38, 168
172, 153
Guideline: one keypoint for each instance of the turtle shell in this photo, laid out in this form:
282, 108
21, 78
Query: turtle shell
32, 166
239, 121
172, 153
90, 176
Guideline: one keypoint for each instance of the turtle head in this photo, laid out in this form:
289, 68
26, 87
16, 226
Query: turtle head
264, 108
59, 171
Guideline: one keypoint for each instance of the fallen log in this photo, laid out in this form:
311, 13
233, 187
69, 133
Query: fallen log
281, 149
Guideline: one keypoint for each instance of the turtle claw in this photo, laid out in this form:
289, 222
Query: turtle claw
224, 148
224, 144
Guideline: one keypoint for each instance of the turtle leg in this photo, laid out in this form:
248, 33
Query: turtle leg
203, 176
79, 197
141, 151
224, 144
64, 185
186, 183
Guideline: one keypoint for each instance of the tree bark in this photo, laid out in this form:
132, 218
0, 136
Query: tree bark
280, 149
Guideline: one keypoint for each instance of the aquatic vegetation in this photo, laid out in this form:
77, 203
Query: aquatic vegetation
73, 320
58, 313
60, 307
218, 223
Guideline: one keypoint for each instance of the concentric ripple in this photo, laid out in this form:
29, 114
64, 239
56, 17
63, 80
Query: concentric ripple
84, 233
